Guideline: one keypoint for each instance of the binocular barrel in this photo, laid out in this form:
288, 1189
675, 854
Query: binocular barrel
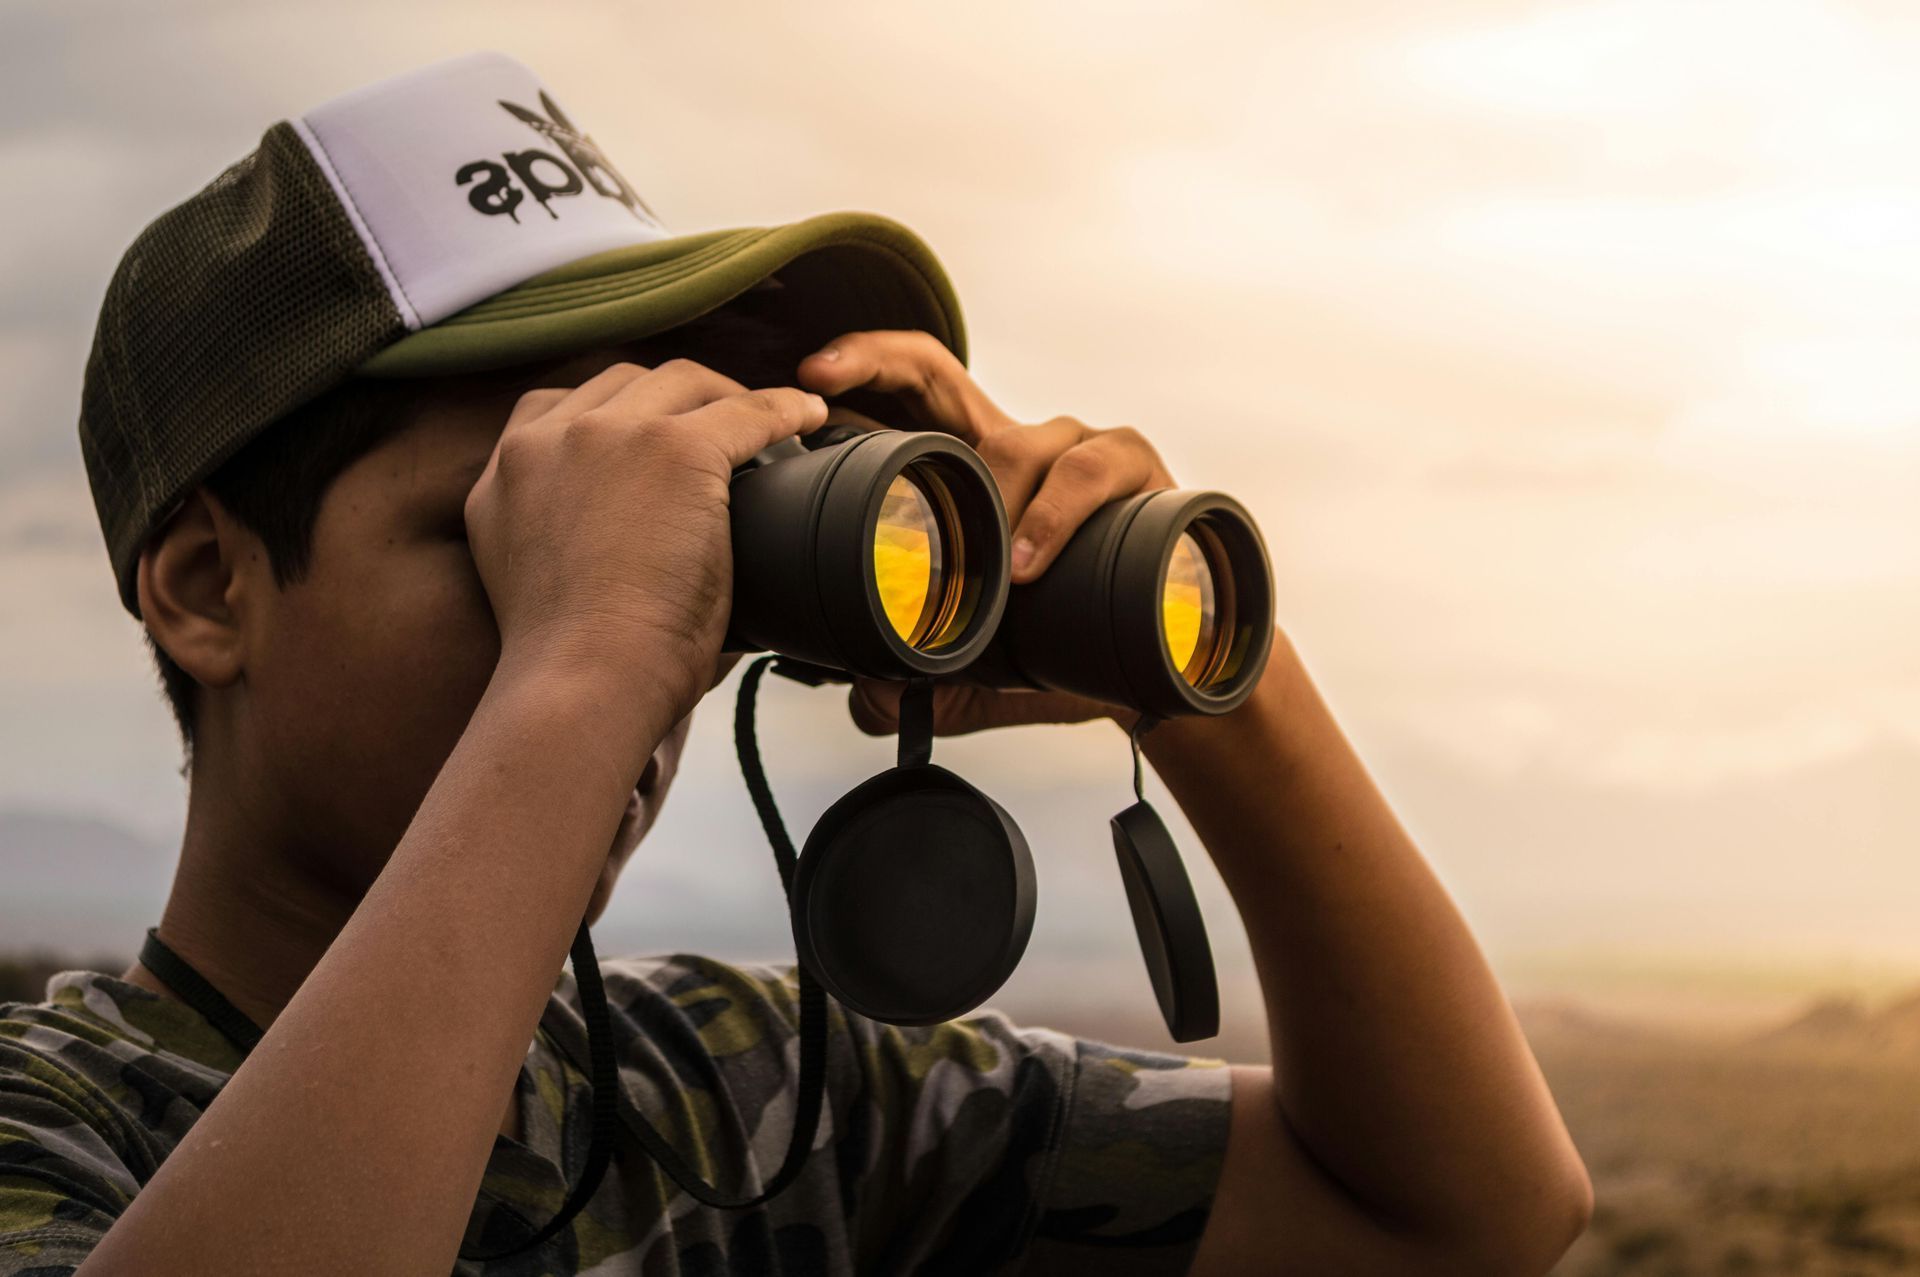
1161, 602
882, 553
885, 553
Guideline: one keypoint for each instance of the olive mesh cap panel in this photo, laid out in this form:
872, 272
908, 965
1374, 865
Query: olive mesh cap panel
230, 310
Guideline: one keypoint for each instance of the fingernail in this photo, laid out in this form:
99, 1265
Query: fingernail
818, 402
828, 353
1022, 554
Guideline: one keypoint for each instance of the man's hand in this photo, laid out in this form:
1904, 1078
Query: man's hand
1052, 475
599, 526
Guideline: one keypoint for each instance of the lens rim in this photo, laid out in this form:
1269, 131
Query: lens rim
847, 518
1238, 559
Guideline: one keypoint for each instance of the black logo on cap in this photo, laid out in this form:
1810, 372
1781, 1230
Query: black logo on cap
545, 175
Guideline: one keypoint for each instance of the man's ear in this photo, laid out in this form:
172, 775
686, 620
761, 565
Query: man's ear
187, 578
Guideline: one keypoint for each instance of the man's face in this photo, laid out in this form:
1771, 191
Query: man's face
362, 675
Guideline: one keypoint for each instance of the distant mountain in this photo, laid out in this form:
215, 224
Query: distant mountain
1848, 1024
1567, 1020
75, 884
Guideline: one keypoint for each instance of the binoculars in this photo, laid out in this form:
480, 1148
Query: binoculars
885, 553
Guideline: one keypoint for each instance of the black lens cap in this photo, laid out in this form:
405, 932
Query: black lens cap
1173, 939
913, 899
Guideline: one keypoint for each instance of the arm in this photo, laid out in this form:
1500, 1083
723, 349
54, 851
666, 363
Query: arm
1404, 1126
355, 1136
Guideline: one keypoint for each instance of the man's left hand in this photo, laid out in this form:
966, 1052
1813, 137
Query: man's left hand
1052, 477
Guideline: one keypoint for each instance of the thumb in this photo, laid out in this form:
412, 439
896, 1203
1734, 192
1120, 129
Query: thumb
874, 704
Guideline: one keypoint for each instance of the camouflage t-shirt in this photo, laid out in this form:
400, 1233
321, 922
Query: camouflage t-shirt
975, 1147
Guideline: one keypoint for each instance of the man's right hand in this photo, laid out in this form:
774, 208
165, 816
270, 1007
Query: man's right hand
600, 525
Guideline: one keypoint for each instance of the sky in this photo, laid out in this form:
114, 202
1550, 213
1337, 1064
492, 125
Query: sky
1564, 353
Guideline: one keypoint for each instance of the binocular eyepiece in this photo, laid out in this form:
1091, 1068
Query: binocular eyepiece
886, 554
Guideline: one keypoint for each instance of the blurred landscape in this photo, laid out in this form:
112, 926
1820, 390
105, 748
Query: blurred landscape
1785, 1146
1738, 1142
1794, 1149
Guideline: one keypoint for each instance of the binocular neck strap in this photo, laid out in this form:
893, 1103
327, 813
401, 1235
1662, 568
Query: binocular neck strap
602, 1064
233, 1024
1141, 726
916, 723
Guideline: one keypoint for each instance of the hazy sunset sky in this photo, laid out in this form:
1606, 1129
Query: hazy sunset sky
1568, 354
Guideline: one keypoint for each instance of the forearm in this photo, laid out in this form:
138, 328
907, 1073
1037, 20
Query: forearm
355, 1136
1398, 1062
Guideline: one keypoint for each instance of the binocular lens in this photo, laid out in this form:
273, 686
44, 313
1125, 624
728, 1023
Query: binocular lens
918, 557
1187, 601
1196, 603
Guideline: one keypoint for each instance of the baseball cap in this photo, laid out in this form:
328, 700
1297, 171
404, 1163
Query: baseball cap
452, 219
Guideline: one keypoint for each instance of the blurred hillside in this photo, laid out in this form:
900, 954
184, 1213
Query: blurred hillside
1785, 1147
1792, 1150
23, 976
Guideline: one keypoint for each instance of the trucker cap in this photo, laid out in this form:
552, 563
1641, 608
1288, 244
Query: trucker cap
452, 219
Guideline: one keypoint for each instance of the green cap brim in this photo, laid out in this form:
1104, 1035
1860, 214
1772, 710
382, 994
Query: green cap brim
840, 272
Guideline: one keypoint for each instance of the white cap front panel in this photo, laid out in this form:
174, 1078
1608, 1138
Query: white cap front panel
465, 178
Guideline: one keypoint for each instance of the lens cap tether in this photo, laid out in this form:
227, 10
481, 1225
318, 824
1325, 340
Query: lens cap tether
1166, 916
914, 897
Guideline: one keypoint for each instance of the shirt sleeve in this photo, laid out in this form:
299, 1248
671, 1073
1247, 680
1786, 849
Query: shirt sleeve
1005, 1149
972, 1148
61, 1184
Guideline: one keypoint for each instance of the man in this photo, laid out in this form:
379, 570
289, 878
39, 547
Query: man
411, 438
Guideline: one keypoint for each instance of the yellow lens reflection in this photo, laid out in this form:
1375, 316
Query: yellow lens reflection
1188, 604
907, 561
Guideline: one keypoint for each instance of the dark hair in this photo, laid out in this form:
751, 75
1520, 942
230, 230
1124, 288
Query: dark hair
274, 484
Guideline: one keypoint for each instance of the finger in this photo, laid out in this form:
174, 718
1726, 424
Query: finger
675, 387
875, 705
743, 424
560, 404
915, 365
1019, 456
1112, 464
536, 403
960, 708
588, 395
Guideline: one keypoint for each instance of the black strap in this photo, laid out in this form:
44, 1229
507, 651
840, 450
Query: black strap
195, 990
234, 1025
1141, 726
604, 1072
813, 999
916, 723
173, 970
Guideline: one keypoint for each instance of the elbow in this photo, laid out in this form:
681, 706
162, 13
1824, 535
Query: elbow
1528, 1242
1564, 1216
